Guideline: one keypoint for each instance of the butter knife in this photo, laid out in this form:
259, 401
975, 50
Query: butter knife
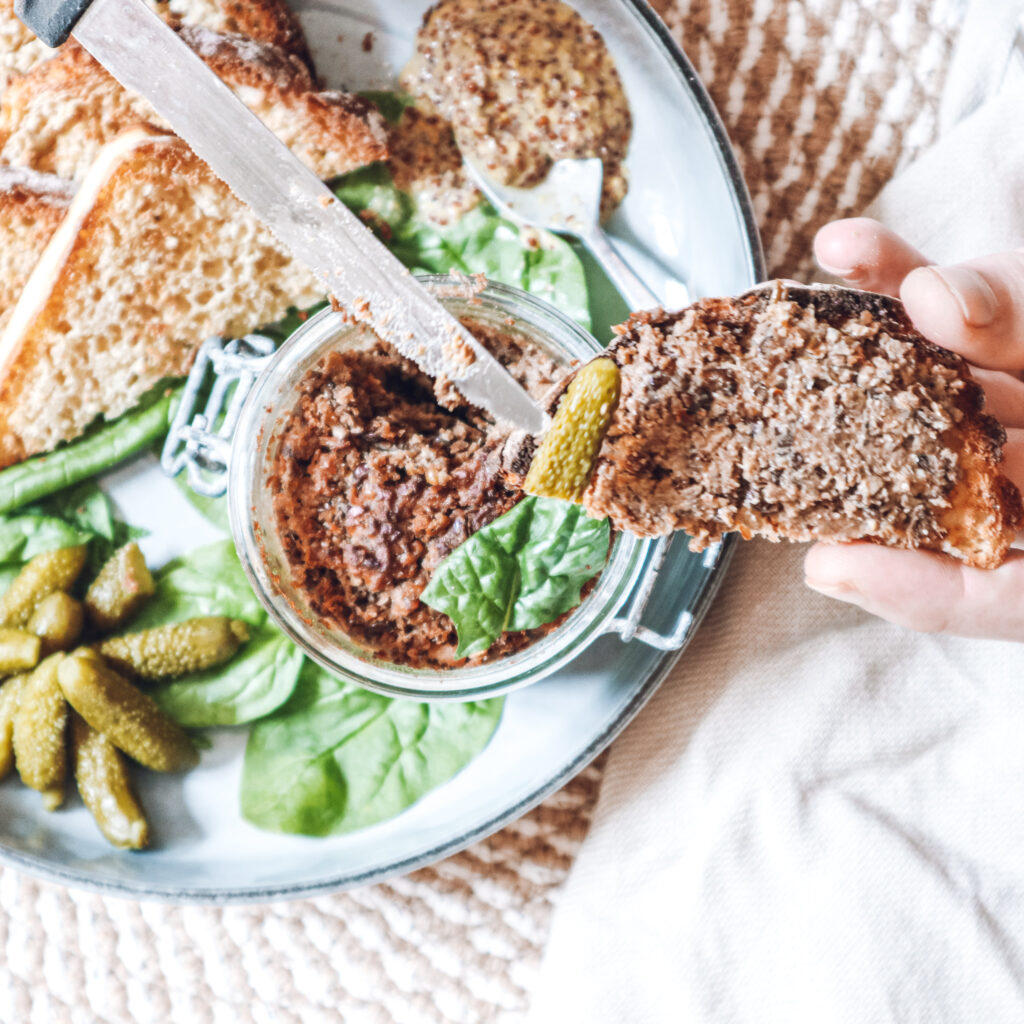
145, 55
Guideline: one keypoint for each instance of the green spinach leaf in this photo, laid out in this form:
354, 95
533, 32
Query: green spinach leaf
521, 571
337, 758
391, 104
480, 242
259, 679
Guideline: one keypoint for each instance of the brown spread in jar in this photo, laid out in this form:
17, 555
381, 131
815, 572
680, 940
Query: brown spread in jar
375, 483
523, 83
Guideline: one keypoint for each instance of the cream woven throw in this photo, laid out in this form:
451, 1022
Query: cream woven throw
823, 99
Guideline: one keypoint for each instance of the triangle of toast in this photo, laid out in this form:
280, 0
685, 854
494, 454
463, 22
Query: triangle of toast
154, 256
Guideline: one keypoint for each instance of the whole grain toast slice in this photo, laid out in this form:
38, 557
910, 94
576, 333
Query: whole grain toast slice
32, 205
801, 413
269, 21
154, 256
57, 117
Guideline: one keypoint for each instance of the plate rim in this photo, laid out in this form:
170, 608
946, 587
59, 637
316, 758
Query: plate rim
127, 889
130, 890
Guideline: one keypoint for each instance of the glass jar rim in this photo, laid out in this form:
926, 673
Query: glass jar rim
272, 396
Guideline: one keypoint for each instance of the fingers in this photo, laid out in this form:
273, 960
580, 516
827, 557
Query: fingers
921, 590
1012, 465
1004, 396
974, 308
866, 255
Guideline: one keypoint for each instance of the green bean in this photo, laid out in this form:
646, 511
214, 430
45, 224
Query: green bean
39, 727
43, 475
175, 650
45, 574
19, 650
128, 718
57, 621
102, 778
123, 585
10, 696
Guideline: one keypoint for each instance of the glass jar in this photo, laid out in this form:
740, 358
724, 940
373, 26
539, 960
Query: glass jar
267, 408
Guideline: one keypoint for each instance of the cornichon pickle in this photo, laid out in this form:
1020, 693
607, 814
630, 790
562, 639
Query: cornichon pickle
102, 778
57, 621
128, 718
39, 726
565, 459
19, 650
10, 696
123, 585
45, 574
167, 651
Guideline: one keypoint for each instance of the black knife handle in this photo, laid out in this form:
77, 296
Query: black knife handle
51, 20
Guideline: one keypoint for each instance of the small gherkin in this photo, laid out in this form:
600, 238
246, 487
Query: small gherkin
175, 650
123, 586
57, 621
10, 698
128, 718
563, 463
43, 575
19, 650
103, 782
39, 726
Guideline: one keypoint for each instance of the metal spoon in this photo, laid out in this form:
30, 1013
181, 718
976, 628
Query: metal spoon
568, 202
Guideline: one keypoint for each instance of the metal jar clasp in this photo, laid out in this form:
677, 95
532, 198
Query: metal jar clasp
200, 438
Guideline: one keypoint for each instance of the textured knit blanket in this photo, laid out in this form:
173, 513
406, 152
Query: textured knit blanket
823, 100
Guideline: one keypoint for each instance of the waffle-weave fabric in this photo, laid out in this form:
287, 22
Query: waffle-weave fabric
823, 100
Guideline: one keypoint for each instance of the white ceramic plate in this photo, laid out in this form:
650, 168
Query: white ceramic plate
687, 217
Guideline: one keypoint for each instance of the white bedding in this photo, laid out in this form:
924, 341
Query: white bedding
820, 817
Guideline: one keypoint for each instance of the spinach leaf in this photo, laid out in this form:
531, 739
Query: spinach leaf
337, 758
521, 571
103, 446
260, 678
29, 534
391, 104
253, 684
479, 242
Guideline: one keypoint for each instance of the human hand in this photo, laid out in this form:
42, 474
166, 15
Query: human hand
977, 309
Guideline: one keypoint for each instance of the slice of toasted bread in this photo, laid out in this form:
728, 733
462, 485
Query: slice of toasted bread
270, 21
802, 414
154, 256
31, 207
56, 117
266, 21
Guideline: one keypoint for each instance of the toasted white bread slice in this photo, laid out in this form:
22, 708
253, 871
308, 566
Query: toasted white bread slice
270, 21
154, 256
32, 205
56, 117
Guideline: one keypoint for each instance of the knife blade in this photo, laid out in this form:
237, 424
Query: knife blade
145, 55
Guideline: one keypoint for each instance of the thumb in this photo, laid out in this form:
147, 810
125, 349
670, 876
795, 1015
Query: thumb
922, 590
974, 308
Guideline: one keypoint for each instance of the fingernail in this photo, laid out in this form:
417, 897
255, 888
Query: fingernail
972, 292
847, 273
842, 590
